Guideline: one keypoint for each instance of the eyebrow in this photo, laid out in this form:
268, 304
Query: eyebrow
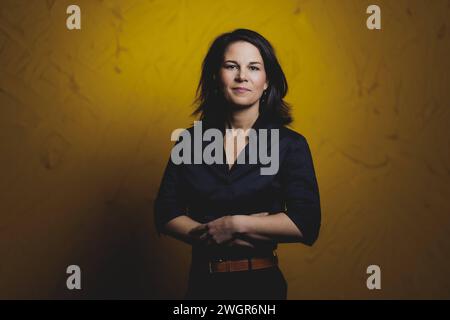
253, 62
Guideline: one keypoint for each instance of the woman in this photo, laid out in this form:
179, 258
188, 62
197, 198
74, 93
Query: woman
231, 213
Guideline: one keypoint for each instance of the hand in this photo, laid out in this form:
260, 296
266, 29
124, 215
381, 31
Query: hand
222, 229
241, 242
199, 233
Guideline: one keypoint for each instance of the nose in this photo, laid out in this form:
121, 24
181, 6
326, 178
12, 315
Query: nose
241, 76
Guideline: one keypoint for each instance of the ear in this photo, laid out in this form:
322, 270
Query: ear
266, 85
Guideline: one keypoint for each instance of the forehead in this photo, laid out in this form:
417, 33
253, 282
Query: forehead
242, 51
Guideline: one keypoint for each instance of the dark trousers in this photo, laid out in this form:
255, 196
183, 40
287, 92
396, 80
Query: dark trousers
259, 284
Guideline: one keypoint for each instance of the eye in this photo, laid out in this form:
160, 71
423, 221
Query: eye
254, 68
230, 66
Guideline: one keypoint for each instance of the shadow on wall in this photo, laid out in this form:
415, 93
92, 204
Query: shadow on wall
122, 260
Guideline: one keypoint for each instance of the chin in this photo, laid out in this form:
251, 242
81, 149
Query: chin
240, 104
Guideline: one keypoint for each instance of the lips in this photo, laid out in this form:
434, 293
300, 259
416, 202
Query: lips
241, 89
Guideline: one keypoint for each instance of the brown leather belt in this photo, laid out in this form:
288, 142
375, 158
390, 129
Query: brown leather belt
243, 265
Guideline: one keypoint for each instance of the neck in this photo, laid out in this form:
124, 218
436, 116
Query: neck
243, 119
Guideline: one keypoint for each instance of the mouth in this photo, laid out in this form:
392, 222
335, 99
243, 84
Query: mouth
240, 89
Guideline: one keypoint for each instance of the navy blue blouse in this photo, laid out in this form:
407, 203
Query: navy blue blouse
206, 192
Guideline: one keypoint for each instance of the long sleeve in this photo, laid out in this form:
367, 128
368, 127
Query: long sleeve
300, 190
169, 202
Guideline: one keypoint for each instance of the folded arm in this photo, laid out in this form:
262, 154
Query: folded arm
254, 228
191, 232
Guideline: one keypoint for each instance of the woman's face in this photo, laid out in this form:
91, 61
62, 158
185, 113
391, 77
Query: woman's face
242, 74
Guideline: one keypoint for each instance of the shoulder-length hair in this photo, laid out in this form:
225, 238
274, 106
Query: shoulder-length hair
211, 104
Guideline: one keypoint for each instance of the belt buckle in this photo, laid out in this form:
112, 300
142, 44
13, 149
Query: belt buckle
210, 266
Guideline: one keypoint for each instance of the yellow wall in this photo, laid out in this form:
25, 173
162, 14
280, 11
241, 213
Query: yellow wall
85, 119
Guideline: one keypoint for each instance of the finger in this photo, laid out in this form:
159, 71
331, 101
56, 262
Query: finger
199, 229
204, 236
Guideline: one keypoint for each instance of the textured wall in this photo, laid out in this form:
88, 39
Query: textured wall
85, 118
